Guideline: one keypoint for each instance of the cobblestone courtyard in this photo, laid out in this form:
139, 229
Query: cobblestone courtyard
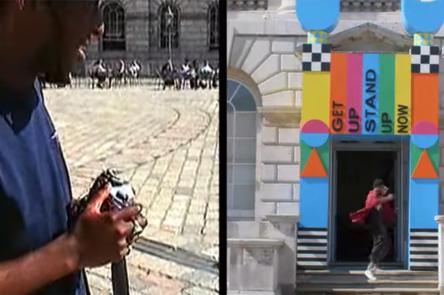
166, 144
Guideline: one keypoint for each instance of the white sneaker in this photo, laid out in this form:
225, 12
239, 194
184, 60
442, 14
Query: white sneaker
370, 275
377, 270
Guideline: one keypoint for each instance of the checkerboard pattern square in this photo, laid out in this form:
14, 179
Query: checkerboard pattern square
316, 57
425, 59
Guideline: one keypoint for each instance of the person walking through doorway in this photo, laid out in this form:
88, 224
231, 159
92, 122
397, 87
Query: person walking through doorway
375, 214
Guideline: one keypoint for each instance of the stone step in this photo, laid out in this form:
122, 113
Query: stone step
354, 282
361, 271
378, 282
349, 290
358, 276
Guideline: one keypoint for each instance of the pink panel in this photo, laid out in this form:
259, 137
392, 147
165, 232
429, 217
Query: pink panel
354, 92
314, 126
424, 128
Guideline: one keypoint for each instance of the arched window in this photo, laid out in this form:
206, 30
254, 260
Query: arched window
169, 25
114, 20
213, 26
241, 151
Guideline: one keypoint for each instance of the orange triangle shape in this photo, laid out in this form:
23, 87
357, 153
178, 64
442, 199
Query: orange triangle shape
424, 168
314, 167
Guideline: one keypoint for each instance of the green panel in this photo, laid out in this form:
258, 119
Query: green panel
305, 153
434, 155
324, 155
415, 152
386, 93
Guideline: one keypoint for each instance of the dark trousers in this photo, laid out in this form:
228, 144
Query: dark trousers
381, 239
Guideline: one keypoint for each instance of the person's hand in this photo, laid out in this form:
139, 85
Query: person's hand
101, 237
140, 222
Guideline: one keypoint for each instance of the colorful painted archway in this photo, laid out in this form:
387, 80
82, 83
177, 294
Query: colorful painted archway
364, 95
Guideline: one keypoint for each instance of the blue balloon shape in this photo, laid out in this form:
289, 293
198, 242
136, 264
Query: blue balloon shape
422, 16
424, 141
318, 15
314, 139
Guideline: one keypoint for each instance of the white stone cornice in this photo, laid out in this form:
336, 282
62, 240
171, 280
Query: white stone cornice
394, 40
283, 218
281, 116
400, 42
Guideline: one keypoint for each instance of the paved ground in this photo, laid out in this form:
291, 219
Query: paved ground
166, 143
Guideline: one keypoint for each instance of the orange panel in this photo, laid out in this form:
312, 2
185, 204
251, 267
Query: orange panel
314, 167
424, 168
338, 93
425, 96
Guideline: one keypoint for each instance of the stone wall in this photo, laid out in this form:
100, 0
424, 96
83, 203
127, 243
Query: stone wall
142, 34
279, 172
193, 32
276, 73
280, 153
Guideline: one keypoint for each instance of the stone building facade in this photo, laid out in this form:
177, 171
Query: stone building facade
137, 29
264, 59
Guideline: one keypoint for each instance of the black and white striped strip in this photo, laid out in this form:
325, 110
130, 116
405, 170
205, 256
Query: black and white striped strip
424, 249
312, 248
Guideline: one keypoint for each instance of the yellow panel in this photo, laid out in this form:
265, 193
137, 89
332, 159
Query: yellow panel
403, 105
315, 97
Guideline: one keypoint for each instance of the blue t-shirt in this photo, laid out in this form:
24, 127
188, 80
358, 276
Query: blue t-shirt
34, 183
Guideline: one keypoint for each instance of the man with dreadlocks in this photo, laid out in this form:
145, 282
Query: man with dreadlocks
38, 254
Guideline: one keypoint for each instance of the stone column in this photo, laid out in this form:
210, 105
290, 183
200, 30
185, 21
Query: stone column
255, 266
284, 227
440, 220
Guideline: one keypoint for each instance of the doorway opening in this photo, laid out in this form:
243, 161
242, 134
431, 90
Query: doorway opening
355, 170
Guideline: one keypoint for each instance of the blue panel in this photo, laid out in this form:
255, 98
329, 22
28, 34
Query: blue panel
314, 202
314, 139
423, 203
424, 141
317, 15
370, 93
419, 16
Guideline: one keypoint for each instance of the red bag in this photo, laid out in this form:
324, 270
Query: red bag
360, 215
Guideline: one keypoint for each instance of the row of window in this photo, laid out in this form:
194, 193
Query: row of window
168, 26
